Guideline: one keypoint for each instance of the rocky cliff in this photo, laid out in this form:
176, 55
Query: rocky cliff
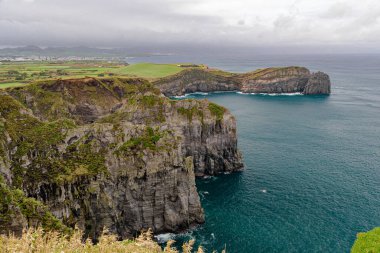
270, 80
196, 80
109, 153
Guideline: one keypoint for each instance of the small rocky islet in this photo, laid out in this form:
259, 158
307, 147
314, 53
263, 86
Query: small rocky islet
118, 152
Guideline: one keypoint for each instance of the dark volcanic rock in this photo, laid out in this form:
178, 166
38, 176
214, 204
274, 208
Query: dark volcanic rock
318, 83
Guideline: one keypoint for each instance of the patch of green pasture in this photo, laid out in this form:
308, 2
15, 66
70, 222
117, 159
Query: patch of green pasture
149, 70
8, 85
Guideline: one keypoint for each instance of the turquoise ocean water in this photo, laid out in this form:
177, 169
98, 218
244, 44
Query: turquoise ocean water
312, 163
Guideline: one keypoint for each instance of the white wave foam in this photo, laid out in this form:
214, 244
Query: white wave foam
162, 238
227, 91
277, 94
179, 97
199, 93
191, 94
238, 92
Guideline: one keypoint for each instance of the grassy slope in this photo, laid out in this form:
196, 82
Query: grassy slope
367, 242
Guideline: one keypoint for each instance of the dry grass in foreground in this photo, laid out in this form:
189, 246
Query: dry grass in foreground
37, 240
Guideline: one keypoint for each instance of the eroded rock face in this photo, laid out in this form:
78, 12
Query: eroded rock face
271, 80
281, 80
318, 83
113, 153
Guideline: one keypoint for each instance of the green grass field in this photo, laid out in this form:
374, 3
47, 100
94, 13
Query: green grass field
7, 85
149, 70
14, 74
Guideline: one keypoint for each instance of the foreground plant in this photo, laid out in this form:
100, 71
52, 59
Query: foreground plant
37, 240
368, 242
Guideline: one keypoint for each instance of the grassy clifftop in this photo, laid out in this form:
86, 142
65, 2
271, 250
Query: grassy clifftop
276, 72
14, 74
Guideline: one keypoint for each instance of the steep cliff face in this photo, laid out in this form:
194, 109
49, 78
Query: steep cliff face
318, 83
111, 153
271, 80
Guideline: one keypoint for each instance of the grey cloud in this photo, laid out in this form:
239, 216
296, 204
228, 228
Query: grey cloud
337, 10
155, 23
284, 22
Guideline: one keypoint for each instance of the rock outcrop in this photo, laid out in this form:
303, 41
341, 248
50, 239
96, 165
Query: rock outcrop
271, 80
196, 80
109, 153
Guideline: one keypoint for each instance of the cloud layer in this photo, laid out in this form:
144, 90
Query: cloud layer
138, 23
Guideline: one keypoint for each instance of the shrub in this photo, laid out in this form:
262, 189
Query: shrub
217, 110
147, 140
13, 72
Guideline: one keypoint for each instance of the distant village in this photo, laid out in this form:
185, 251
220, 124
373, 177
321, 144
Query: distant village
57, 58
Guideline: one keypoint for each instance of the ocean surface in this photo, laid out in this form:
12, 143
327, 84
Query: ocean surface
312, 163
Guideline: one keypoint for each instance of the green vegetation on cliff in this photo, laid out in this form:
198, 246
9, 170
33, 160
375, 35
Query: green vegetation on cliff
147, 140
191, 112
368, 242
275, 72
38, 141
15, 205
217, 110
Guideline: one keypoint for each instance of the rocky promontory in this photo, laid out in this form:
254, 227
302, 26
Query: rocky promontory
270, 80
112, 153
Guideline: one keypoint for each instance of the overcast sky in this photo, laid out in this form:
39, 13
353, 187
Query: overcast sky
221, 23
